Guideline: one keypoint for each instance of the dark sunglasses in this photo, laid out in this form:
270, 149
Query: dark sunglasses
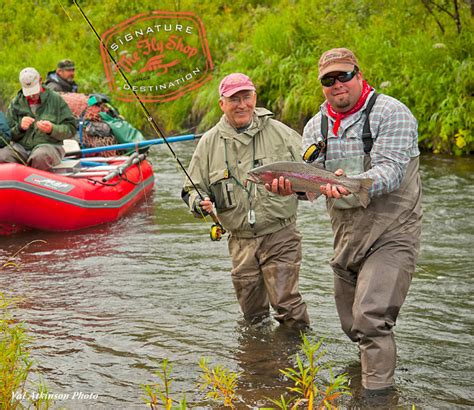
343, 78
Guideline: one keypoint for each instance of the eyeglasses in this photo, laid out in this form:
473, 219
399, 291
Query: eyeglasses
236, 100
329, 81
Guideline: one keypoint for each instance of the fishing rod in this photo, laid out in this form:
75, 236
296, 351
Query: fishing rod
217, 230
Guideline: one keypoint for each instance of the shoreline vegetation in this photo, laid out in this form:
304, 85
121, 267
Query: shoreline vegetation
312, 382
418, 51
17, 391
309, 388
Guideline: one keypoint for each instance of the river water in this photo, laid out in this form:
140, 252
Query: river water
106, 305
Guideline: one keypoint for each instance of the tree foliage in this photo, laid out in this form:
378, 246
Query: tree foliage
419, 51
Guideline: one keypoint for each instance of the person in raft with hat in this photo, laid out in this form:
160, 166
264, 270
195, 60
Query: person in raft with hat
62, 79
39, 121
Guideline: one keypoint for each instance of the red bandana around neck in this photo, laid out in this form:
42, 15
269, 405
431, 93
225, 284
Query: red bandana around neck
366, 89
30, 100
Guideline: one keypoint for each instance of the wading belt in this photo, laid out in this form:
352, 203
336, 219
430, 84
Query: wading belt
366, 134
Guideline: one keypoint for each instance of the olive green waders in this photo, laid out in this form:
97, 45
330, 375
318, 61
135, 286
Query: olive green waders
265, 270
375, 251
44, 156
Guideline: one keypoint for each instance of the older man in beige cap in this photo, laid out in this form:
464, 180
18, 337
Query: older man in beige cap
367, 135
264, 243
39, 121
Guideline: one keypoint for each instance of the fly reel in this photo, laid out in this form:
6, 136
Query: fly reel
313, 151
216, 232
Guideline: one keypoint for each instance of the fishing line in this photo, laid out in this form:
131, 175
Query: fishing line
65, 12
8, 144
151, 120
155, 126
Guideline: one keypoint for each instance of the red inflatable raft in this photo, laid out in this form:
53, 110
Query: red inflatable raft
74, 196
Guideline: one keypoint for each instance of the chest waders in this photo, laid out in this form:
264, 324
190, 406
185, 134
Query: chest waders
319, 147
375, 251
265, 267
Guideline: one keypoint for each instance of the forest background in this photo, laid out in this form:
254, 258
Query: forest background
418, 51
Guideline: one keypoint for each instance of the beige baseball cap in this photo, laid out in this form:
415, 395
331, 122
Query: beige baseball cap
337, 59
30, 81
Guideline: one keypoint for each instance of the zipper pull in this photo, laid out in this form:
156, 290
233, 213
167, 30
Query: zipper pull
251, 217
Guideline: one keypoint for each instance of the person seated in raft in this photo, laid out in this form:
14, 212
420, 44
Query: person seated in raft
62, 79
39, 121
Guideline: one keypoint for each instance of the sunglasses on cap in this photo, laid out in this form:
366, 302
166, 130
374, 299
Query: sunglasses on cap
329, 81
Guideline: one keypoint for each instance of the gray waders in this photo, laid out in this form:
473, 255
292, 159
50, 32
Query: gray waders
266, 272
375, 251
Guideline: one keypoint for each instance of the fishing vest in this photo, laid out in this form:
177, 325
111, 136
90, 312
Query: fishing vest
352, 165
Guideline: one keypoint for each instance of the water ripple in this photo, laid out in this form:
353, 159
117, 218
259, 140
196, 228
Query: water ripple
107, 304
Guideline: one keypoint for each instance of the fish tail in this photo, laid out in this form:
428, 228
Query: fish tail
363, 194
366, 183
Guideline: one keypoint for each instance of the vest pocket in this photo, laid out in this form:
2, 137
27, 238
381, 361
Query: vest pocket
222, 190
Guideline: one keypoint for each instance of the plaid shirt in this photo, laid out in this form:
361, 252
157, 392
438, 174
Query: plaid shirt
394, 130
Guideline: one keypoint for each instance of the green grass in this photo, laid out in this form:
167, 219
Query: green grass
278, 44
16, 364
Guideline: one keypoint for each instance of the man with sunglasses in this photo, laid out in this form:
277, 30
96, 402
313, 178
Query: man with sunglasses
365, 135
264, 243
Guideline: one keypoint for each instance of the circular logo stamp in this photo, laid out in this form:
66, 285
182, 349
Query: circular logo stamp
162, 56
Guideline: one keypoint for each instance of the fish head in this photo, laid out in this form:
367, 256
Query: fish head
260, 176
253, 177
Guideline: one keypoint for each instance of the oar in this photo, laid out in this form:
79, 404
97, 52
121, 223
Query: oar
132, 145
87, 174
104, 159
135, 158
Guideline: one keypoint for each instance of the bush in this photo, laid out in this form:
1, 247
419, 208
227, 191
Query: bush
419, 56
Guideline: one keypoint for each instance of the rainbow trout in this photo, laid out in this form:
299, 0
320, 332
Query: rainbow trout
308, 178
